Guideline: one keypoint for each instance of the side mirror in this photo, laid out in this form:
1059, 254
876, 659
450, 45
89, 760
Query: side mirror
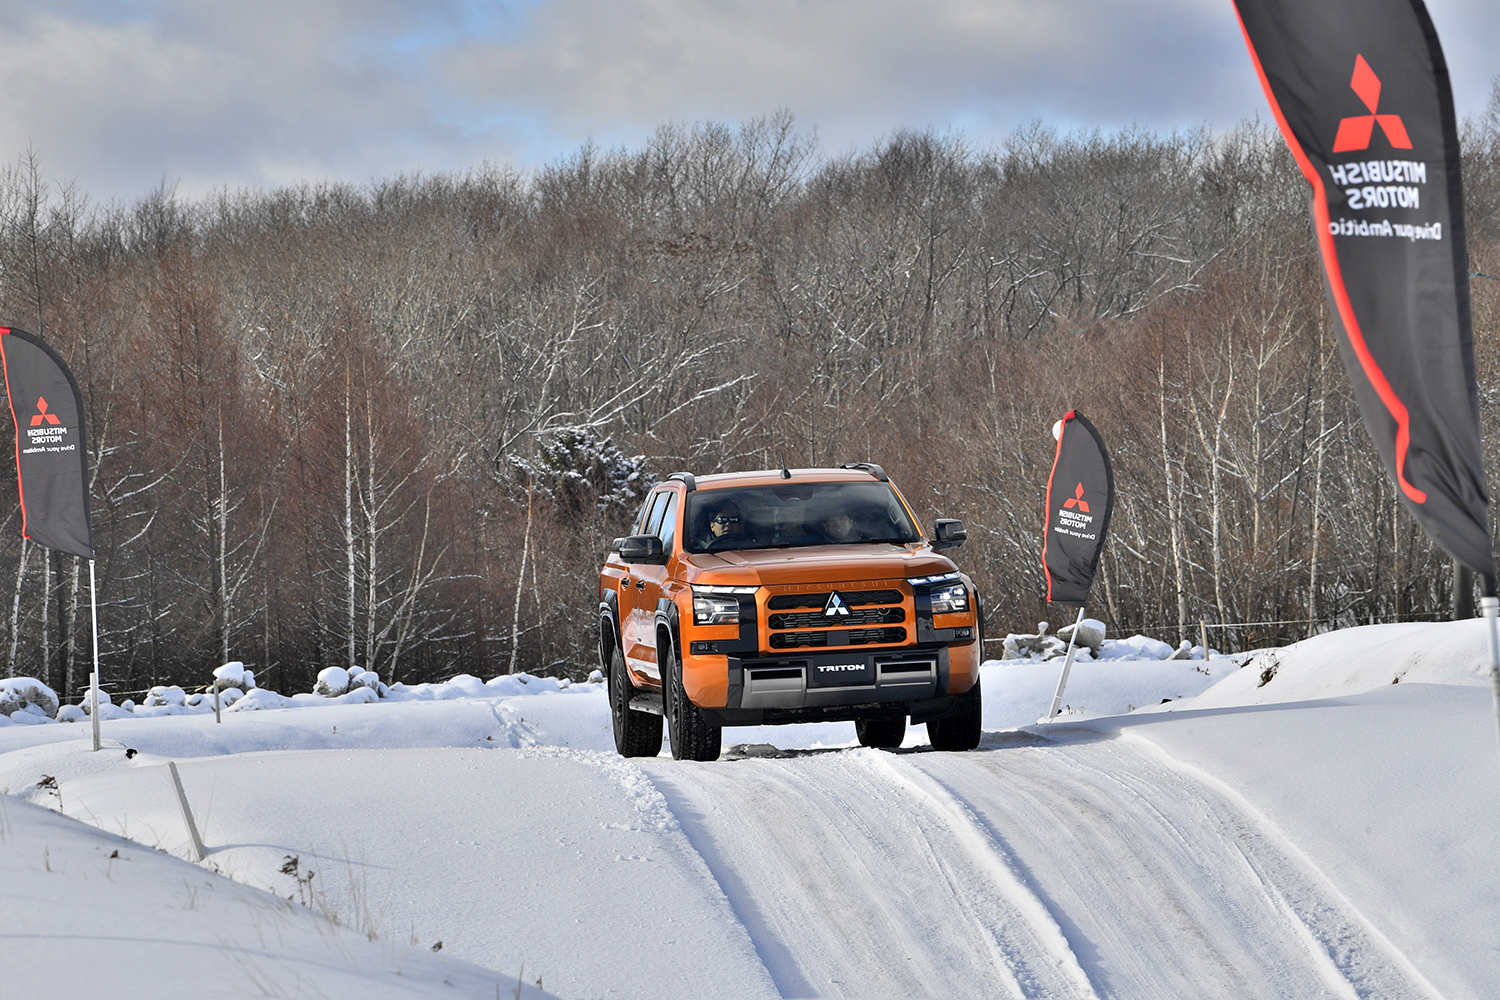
642, 549
614, 546
948, 533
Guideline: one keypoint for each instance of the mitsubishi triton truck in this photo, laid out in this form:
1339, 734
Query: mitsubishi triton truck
764, 598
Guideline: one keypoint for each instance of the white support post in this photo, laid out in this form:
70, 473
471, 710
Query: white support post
187, 814
1490, 609
1062, 682
94, 677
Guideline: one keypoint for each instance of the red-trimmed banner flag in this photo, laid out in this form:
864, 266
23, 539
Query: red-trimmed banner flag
1360, 91
1080, 499
52, 462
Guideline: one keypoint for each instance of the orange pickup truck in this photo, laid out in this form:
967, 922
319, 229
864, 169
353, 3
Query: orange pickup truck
783, 596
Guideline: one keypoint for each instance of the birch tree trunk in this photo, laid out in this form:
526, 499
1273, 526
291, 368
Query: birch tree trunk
349, 510
224, 596
371, 508
1317, 513
72, 627
47, 621
15, 606
515, 618
1172, 516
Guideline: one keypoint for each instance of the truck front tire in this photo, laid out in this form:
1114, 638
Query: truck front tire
693, 736
961, 728
637, 734
882, 734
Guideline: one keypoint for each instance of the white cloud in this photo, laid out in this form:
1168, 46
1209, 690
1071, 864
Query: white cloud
121, 93
859, 68
208, 101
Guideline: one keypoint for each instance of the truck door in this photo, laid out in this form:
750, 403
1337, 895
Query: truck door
641, 589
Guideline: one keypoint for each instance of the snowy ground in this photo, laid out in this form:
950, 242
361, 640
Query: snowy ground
1324, 833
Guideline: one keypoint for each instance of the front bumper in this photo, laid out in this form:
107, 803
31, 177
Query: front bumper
837, 685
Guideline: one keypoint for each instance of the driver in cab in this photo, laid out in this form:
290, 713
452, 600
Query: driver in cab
726, 529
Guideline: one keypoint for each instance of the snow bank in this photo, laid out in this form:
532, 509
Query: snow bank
1355, 660
334, 686
87, 913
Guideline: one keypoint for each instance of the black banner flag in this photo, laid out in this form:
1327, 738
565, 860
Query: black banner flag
1080, 498
1360, 91
51, 453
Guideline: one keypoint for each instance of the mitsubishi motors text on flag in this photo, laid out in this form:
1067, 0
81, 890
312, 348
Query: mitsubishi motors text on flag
1360, 91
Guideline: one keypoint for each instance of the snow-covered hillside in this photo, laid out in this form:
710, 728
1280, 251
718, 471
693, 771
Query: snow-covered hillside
1300, 826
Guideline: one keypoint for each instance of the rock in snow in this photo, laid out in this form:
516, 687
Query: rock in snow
23, 693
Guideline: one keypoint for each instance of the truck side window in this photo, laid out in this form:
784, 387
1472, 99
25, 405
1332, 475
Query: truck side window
658, 505
668, 529
639, 524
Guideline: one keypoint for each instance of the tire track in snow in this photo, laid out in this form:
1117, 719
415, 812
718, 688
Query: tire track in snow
1167, 882
1336, 930
854, 878
655, 814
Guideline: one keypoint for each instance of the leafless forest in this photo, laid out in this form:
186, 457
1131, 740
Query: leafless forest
396, 425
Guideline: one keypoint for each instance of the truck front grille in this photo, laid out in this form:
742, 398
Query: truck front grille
856, 616
853, 598
861, 618
838, 637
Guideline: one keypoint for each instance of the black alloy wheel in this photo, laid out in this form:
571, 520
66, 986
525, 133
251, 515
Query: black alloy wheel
694, 737
637, 734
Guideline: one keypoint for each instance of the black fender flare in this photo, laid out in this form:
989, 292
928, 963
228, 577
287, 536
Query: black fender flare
667, 618
609, 623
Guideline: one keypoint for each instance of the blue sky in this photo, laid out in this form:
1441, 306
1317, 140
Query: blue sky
119, 96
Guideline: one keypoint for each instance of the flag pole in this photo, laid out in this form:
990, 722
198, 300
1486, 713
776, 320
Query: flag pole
94, 677
1062, 681
1490, 608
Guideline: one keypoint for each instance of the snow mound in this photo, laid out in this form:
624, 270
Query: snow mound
1092, 645
233, 675
1355, 660
23, 694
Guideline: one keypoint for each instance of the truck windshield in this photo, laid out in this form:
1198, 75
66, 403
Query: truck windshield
794, 515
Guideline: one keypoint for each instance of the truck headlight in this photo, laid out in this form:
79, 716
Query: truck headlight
717, 604
715, 610
950, 599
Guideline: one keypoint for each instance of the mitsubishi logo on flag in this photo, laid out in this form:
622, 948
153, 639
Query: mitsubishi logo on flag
1354, 133
52, 468
835, 606
42, 414
1077, 500
1075, 530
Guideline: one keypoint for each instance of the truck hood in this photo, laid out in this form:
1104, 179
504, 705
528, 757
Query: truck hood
816, 564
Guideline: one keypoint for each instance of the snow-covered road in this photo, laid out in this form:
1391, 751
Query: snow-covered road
1092, 867
856, 874
1028, 869
1323, 847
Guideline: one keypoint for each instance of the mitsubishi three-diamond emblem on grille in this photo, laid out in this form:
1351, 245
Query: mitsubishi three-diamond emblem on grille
835, 606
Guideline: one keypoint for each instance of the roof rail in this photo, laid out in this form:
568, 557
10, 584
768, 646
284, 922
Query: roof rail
686, 478
869, 467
